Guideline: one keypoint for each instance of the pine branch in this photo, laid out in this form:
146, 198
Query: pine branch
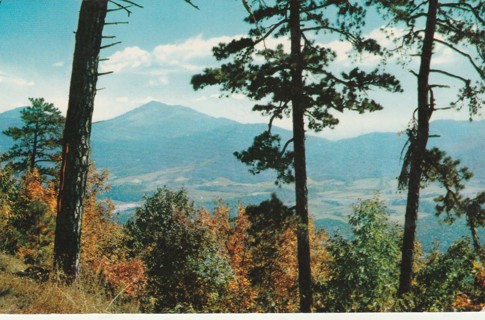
189, 2
451, 75
276, 114
271, 30
110, 45
256, 22
286, 146
133, 3
465, 7
104, 73
466, 55
120, 7
439, 86
119, 22
123, 8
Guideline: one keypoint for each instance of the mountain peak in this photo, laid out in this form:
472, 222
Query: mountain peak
156, 119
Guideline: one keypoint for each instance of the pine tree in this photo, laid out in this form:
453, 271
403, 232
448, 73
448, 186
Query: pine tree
296, 81
77, 133
76, 138
455, 25
38, 140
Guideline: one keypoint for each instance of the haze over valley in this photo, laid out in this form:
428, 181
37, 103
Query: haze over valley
158, 145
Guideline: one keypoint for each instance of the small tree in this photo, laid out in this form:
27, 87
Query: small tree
445, 277
273, 244
437, 166
185, 269
38, 140
364, 270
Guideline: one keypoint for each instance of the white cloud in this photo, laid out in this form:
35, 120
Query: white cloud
238, 96
146, 100
200, 98
58, 64
443, 56
176, 57
161, 80
341, 48
164, 60
191, 49
130, 58
14, 80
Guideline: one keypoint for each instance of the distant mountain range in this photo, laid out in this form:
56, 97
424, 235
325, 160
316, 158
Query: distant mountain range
157, 144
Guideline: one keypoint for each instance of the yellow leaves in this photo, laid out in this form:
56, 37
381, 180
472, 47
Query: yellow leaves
280, 281
33, 189
463, 302
34, 219
101, 241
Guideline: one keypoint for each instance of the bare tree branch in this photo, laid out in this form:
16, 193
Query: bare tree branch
110, 45
466, 55
449, 74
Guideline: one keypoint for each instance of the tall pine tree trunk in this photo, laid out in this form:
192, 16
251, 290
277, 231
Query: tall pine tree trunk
76, 140
476, 241
425, 109
301, 192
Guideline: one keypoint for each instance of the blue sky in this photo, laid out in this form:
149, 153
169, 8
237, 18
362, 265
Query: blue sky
163, 45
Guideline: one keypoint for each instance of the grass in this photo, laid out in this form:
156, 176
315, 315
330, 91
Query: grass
19, 295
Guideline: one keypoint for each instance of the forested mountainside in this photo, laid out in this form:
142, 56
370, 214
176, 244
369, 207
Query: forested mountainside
157, 144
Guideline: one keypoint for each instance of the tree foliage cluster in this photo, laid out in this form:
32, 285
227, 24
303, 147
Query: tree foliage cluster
201, 261
38, 140
212, 262
174, 257
29, 203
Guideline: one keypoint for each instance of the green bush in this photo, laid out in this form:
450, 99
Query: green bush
365, 270
185, 269
444, 276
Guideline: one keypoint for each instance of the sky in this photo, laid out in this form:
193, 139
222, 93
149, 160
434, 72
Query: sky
163, 45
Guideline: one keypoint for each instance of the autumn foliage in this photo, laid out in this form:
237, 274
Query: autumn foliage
175, 257
225, 261
102, 241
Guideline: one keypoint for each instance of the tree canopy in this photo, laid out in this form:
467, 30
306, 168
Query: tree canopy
38, 141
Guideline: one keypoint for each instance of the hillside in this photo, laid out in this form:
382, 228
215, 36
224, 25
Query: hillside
8, 119
25, 295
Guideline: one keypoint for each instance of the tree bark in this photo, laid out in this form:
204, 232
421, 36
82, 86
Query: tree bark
425, 109
301, 192
476, 241
34, 149
76, 140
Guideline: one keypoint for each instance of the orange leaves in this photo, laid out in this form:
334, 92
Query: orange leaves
101, 241
34, 218
465, 303
240, 287
125, 276
100, 234
32, 189
264, 263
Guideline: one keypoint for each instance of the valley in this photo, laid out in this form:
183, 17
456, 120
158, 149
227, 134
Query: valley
158, 145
